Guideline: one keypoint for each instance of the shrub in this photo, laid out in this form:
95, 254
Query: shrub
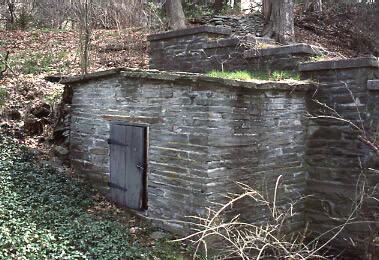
269, 238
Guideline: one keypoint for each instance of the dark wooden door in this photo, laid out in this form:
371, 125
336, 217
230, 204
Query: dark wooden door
127, 165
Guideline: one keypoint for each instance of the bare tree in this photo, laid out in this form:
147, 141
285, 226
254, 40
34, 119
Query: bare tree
109, 14
52, 13
11, 14
279, 20
175, 14
83, 10
313, 5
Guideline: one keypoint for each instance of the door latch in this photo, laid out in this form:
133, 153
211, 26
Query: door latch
140, 166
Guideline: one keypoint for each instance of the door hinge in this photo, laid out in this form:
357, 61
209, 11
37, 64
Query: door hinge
110, 141
116, 186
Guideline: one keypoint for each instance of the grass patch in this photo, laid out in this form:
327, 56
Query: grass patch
258, 75
243, 75
283, 75
3, 96
43, 215
315, 58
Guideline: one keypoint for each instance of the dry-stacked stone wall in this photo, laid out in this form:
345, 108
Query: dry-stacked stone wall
205, 134
206, 48
240, 26
198, 49
337, 157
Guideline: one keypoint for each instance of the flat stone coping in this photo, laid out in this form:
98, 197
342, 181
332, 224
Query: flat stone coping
299, 48
256, 40
286, 85
84, 78
340, 64
190, 31
373, 84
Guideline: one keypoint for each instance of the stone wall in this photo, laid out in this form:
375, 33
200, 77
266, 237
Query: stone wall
241, 26
337, 159
257, 137
196, 49
287, 57
205, 134
206, 48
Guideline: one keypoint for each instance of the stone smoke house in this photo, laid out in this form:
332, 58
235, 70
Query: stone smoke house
170, 144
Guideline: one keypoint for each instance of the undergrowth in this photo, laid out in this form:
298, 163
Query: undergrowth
53, 97
3, 96
39, 62
257, 75
43, 216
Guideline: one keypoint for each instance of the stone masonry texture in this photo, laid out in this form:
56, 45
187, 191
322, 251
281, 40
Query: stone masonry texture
206, 48
337, 160
205, 135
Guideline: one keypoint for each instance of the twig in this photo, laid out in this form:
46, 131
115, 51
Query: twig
370, 144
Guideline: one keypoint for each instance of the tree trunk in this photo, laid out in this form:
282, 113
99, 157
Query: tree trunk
279, 23
313, 6
237, 5
10, 20
317, 5
266, 10
175, 14
218, 6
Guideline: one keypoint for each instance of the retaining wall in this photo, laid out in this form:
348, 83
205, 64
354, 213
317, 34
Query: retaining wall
338, 160
206, 48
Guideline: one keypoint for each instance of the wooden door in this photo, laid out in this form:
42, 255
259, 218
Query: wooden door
127, 165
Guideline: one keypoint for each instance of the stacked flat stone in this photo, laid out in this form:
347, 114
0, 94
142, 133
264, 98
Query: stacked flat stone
240, 26
205, 134
206, 48
335, 155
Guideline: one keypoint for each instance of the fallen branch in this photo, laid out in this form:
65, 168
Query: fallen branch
4, 60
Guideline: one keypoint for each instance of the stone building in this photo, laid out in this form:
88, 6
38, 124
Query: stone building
193, 138
171, 144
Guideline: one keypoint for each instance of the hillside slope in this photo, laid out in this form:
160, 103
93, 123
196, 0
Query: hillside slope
36, 54
30, 102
